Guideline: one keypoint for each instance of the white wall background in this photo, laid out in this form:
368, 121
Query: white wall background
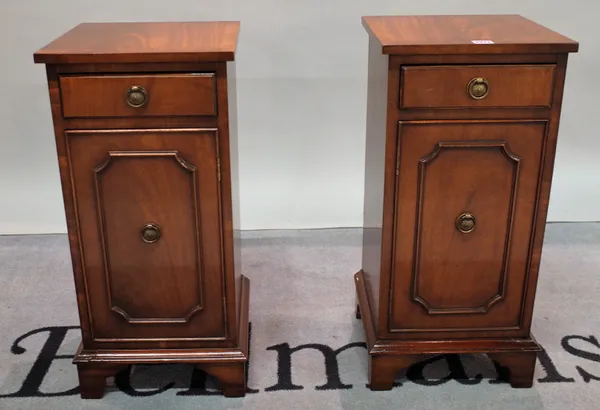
302, 103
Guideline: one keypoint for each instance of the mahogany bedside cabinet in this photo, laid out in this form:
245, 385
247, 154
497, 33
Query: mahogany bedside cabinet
462, 124
145, 124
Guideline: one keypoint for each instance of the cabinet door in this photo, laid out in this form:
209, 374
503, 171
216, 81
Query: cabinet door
465, 202
148, 209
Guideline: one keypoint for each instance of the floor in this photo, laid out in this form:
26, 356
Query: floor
307, 349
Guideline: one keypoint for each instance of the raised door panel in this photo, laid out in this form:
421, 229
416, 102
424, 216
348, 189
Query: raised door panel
159, 260
148, 206
465, 201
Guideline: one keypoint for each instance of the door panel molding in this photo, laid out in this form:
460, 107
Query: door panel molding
521, 143
190, 172
195, 153
424, 163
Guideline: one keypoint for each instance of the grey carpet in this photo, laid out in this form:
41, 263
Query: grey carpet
302, 296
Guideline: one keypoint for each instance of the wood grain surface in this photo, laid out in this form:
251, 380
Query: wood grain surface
161, 164
437, 153
455, 35
143, 43
446, 86
172, 95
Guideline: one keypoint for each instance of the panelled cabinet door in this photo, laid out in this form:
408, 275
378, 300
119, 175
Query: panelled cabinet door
463, 225
148, 205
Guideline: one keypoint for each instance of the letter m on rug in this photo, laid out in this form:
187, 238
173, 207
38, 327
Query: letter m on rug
332, 371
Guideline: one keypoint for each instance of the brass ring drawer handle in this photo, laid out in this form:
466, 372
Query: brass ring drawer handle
465, 223
478, 88
137, 96
150, 233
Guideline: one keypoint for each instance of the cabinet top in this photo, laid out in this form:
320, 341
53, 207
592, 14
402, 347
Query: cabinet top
143, 43
475, 34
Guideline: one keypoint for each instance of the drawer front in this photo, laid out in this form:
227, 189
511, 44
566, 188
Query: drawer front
148, 212
461, 264
476, 86
139, 95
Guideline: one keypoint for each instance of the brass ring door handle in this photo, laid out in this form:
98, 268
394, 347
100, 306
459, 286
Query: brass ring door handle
478, 88
137, 96
150, 233
465, 223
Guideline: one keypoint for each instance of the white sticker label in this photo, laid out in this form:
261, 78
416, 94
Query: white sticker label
482, 42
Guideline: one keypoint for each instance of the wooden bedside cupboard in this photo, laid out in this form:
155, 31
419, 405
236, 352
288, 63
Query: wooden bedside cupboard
145, 125
462, 125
